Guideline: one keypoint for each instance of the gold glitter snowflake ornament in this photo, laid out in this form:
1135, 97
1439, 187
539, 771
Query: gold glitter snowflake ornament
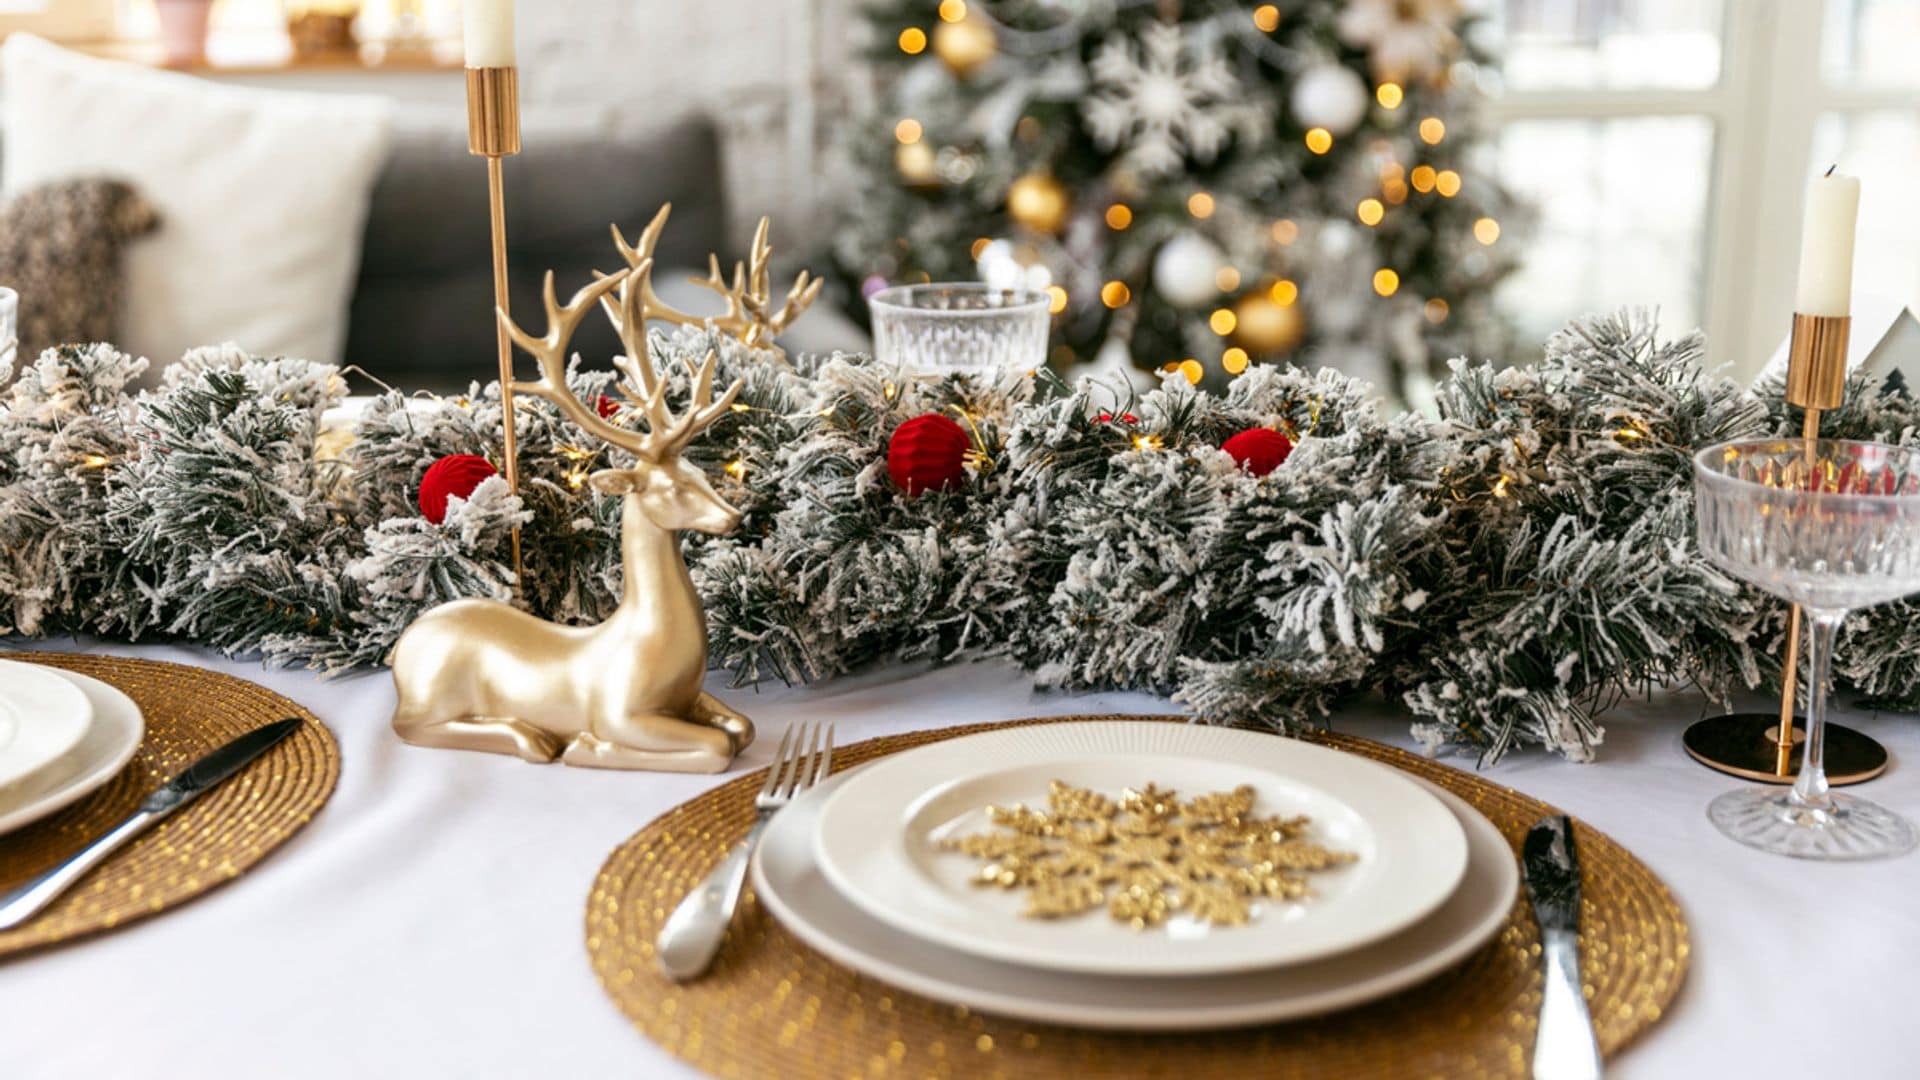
1146, 856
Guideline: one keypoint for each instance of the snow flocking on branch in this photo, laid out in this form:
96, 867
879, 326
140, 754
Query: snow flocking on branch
1509, 570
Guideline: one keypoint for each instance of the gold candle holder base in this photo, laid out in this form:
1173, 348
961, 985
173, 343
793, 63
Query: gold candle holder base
493, 132
1747, 745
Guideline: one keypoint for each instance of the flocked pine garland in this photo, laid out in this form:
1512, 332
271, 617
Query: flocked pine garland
1508, 570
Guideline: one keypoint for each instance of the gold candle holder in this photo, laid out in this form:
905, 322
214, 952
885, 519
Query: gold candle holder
1762, 746
493, 132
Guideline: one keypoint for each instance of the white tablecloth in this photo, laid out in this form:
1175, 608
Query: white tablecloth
428, 922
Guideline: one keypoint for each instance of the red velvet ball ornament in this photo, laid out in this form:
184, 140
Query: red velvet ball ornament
453, 475
1259, 450
605, 406
927, 453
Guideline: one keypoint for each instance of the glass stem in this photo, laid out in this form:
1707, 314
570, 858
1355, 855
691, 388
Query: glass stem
1810, 790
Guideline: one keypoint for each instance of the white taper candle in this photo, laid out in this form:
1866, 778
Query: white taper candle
1826, 246
487, 27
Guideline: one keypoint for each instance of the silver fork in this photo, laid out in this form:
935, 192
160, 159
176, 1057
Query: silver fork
691, 938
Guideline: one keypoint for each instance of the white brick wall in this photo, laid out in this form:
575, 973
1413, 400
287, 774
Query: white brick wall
771, 72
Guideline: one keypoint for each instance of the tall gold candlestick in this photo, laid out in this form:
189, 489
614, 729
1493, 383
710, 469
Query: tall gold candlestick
1757, 745
493, 132
1816, 380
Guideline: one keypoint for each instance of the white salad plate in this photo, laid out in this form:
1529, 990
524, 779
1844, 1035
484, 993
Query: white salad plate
100, 755
879, 844
42, 716
788, 881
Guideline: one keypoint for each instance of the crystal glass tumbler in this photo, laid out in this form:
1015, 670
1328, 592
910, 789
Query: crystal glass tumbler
959, 327
1831, 526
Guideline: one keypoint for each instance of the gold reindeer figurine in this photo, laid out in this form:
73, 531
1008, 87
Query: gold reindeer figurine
482, 675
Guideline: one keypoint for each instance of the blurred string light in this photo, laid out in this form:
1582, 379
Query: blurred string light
1437, 310
1319, 140
1389, 95
1284, 292
1200, 205
1119, 216
1370, 211
1385, 281
952, 10
1266, 18
1222, 321
1486, 230
1115, 294
1447, 183
1422, 178
1393, 182
907, 131
1226, 279
1234, 360
1194, 372
1432, 130
1056, 299
1285, 232
913, 41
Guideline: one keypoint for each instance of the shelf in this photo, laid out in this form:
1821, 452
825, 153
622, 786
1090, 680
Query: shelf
269, 54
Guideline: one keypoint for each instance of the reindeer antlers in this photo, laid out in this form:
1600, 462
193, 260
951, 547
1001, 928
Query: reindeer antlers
750, 315
666, 434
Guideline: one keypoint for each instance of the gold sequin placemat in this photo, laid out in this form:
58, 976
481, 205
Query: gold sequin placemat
212, 840
772, 1007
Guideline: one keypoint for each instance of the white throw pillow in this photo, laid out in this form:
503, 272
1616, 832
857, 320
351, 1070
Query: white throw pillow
262, 194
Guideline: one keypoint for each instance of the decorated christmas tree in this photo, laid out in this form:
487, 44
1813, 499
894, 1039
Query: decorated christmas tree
1199, 184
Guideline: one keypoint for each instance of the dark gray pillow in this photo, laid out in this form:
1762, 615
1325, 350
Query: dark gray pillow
60, 246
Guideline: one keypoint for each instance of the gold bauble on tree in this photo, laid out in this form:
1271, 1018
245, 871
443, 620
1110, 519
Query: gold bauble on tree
1039, 202
965, 46
1264, 327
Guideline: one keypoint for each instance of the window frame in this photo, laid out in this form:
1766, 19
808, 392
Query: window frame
1771, 93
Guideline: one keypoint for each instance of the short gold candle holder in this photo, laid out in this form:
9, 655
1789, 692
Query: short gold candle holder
1767, 746
493, 132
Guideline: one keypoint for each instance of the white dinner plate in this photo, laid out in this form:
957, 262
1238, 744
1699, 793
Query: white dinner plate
105, 749
879, 844
788, 881
42, 716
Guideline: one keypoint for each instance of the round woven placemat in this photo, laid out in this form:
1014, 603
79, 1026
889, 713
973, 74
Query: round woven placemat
773, 1007
212, 840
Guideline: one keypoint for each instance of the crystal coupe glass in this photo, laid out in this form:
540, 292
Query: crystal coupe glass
1832, 526
962, 326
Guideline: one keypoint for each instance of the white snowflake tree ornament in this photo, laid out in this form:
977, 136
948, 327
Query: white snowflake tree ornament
1404, 39
1169, 97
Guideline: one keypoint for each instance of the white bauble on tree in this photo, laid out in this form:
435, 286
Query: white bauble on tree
1186, 270
1330, 96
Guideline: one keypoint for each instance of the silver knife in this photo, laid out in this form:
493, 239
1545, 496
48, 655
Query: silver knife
28, 900
1565, 1048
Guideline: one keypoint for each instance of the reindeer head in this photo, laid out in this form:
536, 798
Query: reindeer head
674, 495
671, 492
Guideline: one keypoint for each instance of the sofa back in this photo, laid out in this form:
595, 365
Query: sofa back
421, 308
